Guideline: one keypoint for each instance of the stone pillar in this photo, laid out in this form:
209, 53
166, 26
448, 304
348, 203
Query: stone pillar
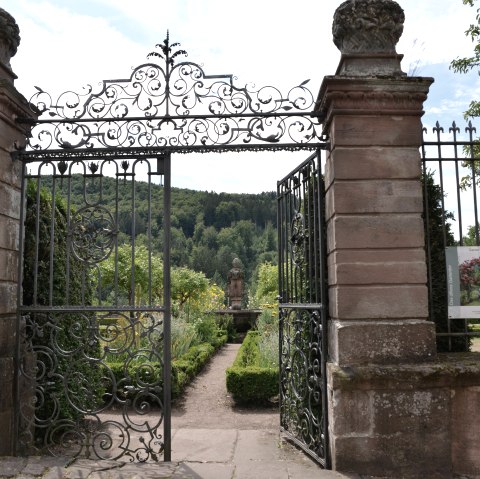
12, 105
378, 296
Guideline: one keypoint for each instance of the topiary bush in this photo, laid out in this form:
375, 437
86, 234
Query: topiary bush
247, 381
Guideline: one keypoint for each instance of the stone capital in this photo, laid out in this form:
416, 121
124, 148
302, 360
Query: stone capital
367, 26
366, 32
342, 95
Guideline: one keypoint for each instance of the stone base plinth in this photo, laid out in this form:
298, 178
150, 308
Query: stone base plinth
243, 319
360, 342
413, 420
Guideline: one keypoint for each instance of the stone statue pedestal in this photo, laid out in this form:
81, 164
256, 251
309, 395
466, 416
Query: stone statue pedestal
243, 319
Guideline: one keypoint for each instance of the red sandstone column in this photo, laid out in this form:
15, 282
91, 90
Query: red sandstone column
12, 105
375, 237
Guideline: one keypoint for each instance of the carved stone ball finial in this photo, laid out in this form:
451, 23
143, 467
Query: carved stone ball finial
9, 37
368, 26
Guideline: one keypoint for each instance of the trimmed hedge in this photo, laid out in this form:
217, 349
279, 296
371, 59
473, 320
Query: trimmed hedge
184, 369
246, 380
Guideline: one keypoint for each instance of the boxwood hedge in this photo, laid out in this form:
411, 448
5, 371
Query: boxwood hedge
246, 380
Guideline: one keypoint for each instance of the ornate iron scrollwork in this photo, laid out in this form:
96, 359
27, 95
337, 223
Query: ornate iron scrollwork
177, 107
92, 230
82, 407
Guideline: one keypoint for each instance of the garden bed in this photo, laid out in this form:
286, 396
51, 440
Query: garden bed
184, 369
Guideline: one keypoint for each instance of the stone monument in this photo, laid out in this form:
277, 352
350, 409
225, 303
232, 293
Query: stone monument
243, 319
235, 285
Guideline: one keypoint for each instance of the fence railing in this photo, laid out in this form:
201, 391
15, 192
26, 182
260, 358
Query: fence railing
451, 182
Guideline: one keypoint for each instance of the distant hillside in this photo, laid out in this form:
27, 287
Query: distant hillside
208, 229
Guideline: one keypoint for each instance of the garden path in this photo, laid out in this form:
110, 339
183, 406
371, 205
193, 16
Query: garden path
207, 404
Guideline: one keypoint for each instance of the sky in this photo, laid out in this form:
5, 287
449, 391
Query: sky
66, 44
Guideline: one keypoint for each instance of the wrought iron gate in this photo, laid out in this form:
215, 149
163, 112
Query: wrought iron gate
93, 337
302, 309
93, 347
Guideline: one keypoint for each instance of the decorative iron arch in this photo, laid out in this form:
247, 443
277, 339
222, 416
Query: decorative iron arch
172, 107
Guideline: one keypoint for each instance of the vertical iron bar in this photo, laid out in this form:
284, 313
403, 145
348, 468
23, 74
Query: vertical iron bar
149, 235
52, 240
69, 238
37, 246
316, 200
470, 130
307, 239
439, 130
167, 369
117, 218
134, 230
427, 227
281, 292
454, 129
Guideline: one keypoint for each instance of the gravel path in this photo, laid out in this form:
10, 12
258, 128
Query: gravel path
207, 404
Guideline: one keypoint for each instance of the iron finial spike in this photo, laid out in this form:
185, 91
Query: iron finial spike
438, 128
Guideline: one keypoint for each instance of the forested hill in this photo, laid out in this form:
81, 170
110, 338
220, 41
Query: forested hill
208, 229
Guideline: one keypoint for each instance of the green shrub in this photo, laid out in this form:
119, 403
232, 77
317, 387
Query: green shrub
267, 326
225, 323
249, 352
252, 384
247, 380
184, 369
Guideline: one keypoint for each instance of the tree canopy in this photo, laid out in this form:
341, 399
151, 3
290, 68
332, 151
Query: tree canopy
472, 62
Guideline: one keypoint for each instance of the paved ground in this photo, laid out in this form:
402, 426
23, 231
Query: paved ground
212, 439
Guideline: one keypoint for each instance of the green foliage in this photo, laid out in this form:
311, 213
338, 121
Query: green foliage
471, 238
465, 65
118, 267
187, 285
208, 229
184, 369
266, 286
247, 381
183, 335
225, 323
249, 352
268, 328
253, 384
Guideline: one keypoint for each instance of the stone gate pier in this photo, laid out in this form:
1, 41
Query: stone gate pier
396, 408
12, 105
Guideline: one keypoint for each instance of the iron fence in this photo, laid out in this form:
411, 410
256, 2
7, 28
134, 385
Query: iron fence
451, 181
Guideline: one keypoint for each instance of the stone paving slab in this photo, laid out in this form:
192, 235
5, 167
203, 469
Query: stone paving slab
207, 470
204, 445
257, 445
